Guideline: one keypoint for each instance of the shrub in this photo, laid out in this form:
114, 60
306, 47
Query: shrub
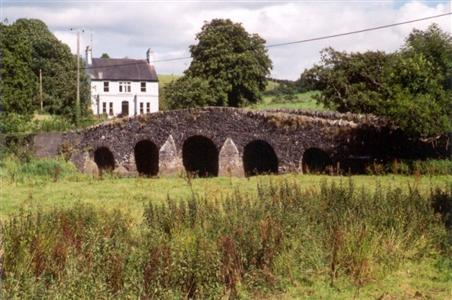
55, 123
412, 167
53, 169
12, 122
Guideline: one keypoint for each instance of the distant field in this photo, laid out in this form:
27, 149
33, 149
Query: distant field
271, 85
303, 101
164, 79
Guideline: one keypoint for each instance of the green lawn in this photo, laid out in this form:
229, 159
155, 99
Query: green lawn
303, 101
131, 194
164, 79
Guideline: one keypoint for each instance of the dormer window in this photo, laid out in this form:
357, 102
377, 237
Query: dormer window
106, 86
143, 86
124, 87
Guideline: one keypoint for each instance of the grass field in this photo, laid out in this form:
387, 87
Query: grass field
131, 194
302, 268
164, 79
302, 101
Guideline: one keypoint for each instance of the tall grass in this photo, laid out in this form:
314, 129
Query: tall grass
205, 248
412, 167
14, 171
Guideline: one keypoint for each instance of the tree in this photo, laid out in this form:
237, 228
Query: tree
233, 62
18, 83
436, 46
189, 92
349, 82
409, 86
105, 55
41, 50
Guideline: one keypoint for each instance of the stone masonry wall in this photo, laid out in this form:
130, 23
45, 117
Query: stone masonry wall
289, 133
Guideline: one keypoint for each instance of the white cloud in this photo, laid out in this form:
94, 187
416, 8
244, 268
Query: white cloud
129, 28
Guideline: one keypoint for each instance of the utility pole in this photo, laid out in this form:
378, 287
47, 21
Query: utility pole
40, 90
77, 100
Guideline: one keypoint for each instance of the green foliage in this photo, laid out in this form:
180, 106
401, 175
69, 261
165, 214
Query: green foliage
13, 122
105, 55
233, 63
201, 248
16, 123
188, 92
18, 84
350, 82
430, 167
410, 86
16, 169
28, 47
285, 90
436, 46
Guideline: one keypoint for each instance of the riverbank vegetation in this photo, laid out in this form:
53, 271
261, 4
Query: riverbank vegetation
265, 237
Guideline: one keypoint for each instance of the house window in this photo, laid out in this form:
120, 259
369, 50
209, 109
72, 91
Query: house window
110, 112
148, 107
104, 107
124, 87
143, 86
141, 108
106, 86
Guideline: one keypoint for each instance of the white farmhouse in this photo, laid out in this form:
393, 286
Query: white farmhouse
122, 86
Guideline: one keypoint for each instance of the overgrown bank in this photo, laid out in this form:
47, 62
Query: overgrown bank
244, 245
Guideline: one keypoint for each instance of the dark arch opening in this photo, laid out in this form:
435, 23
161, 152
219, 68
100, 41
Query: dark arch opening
104, 159
315, 161
259, 158
200, 156
147, 158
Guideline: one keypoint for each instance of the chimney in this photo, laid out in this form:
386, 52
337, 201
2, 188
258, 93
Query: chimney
89, 55
150, 56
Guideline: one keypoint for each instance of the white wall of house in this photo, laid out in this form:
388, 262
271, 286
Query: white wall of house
139, 102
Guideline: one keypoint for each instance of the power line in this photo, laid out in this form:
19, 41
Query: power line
300, 41
358, 31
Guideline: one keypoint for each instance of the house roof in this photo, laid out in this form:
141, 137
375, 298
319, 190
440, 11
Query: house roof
121, 69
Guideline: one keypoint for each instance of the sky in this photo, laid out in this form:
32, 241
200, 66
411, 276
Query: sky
129, 28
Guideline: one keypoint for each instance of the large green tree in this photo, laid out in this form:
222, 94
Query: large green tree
436, 46
410, 86
29, 47
18, 83
233, 63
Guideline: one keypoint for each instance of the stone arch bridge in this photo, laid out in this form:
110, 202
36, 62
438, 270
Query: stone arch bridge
230, 141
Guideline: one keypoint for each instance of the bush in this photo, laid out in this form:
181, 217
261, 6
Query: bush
53, 169
55, 123
200, 248
12, 122
430, 167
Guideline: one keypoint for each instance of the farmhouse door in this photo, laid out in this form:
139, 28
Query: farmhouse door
125, 108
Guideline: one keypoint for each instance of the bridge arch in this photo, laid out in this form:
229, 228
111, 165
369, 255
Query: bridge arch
146, 158
315, 160
259, 157
104, 159
200, 156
